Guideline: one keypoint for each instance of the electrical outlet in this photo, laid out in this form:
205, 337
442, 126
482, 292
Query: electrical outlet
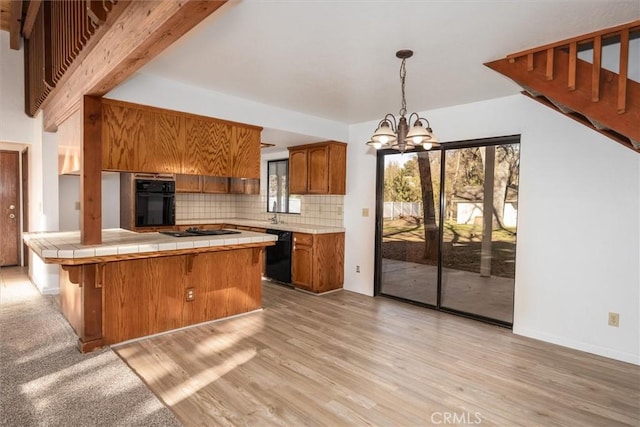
365, 212
190, 294
614, 319
357, 269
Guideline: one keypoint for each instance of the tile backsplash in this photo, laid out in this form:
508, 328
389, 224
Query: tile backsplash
316, 210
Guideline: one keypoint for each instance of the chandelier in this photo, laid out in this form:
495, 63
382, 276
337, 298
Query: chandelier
396, 134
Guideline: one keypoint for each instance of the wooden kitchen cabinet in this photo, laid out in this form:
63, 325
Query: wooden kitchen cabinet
188, 184
216, 185
207, 150
318, 261
244, 156
244, 186
318, 168
140, 138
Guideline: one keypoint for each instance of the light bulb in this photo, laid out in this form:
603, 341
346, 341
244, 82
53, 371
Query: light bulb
417, 139
384, 139
427, 145
377, 145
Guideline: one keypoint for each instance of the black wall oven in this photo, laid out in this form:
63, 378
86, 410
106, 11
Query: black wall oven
155, 203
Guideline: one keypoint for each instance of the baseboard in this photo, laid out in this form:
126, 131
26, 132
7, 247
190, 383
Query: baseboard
578, 345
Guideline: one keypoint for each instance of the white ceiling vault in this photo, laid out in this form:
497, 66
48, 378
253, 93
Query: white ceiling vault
336, 59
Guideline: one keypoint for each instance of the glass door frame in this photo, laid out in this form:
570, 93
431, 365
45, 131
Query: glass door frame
444, 147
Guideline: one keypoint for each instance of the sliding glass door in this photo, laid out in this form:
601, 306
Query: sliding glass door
410, 226
435, 244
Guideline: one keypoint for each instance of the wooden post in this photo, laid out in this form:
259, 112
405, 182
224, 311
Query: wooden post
91, 172
487, 211
91, 336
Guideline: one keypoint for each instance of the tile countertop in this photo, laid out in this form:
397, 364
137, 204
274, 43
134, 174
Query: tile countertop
116, 241
300, 228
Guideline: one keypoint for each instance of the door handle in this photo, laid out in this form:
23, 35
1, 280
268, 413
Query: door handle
12, 216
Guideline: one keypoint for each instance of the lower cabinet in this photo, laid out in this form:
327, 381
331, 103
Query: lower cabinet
318, 261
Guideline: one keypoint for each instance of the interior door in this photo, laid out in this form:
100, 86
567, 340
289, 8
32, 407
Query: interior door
9, 208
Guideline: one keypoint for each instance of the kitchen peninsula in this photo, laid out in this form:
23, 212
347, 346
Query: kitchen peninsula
138, 284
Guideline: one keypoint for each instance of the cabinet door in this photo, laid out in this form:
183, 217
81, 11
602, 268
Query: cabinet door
124, 129
206, 150
215, 184
298, 171
251, 186
236, 186
245, 153
164, 152
318, 179
188, 184
302, 264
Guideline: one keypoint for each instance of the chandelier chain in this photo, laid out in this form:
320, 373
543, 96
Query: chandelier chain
403, 75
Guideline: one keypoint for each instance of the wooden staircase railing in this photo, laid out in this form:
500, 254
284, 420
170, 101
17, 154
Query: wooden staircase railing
554, 75
62, 32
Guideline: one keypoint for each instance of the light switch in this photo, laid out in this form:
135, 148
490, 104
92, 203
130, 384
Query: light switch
365, 211
77, 206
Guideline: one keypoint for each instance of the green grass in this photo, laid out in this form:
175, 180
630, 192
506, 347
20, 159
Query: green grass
401, 229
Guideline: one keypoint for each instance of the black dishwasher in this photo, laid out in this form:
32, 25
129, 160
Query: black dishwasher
279, 257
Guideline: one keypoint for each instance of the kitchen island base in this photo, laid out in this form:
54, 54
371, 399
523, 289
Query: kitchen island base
123, 299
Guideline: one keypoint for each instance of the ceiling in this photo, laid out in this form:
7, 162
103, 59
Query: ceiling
336, 59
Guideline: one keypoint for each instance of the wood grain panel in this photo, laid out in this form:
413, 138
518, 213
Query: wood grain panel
91, 172
9, 208
297, 171
338, 168
245, 153
71, 297
193, 148
122, 127
302, 260
164, 152
143, 297
215, 140
215, 184
328, 260
318, 178
188, 183
148, 296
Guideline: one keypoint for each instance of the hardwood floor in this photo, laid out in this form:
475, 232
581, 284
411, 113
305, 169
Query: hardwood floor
347, 359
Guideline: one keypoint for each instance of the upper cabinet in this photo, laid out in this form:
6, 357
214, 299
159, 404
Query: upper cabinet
139, 138
318, 168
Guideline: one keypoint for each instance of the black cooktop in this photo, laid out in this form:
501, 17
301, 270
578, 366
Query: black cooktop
192, 233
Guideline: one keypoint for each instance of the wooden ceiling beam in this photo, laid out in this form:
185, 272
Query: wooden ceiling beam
30, 19
15, 24
142, 31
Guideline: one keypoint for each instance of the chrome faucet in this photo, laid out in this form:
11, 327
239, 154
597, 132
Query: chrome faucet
274, 218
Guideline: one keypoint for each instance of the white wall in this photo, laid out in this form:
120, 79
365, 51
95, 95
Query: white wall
69, 196
16, 126
571, 270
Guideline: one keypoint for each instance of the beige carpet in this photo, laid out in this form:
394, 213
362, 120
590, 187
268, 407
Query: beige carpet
45, 381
